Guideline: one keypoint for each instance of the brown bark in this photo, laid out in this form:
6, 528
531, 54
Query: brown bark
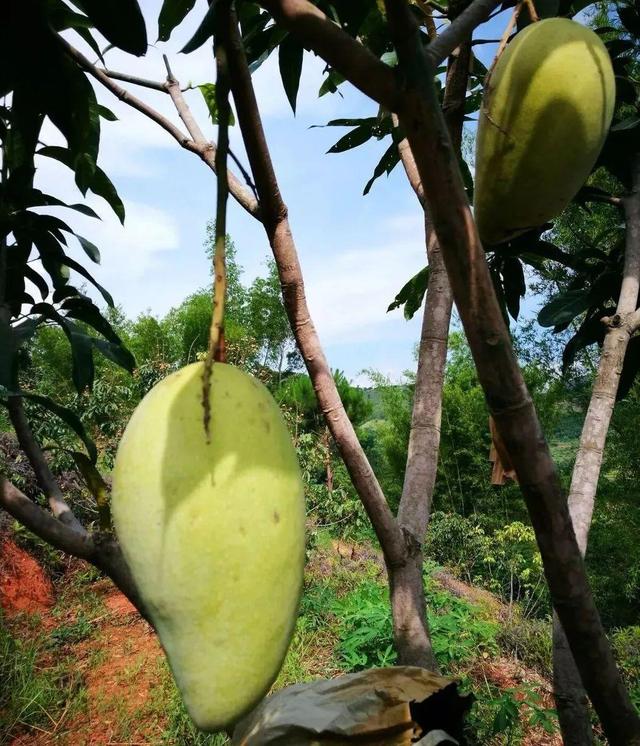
498, 370
571, 700
44, 476
327, 459
406, 584
276, 224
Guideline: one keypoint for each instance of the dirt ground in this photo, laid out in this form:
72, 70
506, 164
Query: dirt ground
123, 682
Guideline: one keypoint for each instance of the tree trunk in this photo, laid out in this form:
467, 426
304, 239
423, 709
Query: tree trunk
406, 583
327, 459
571, 699
424, 436
408, 605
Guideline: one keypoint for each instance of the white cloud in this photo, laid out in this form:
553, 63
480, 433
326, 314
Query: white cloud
349, 295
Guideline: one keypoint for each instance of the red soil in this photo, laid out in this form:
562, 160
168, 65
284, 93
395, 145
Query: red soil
24, 586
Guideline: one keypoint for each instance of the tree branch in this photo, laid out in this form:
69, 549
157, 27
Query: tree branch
46, 480
500, 376
99, 549
200, 146
573, 712
274, 218
424, 436
135, 80
459, 30
362, 68
317, 32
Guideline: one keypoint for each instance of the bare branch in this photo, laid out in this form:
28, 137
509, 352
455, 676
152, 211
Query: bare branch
459, 30
46, 480
56, 533
424, 437
274, 217
135, 80
198, 145
99, 549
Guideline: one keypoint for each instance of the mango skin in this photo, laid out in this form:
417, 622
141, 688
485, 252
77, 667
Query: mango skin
214, 535
542, 124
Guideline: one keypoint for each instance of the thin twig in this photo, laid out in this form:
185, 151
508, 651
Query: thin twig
216, 351
135, 80
46, 481
198, 145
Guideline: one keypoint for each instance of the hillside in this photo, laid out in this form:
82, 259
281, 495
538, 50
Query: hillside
79, 665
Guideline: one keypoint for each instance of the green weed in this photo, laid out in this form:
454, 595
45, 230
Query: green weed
29, 695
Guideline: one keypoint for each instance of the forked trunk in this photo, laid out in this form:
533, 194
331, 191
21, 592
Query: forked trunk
571, 699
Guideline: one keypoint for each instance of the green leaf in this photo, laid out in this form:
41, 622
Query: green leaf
262, 43
107, 113
72, 264
66, 291
86, 34
120, 21
290, 55
630, 368
37, 280
172, 13
208, 91
117, 353
370, 121
100, 184
564, 307
412, 294
330, 83
81, 348
85, 168
386, 164
90, 249
103, 187
38, 199
83, 371
390, 58
629, 18
204, 31
591, 331
467, 178
514, 285
83, 309
68, 417
626, 124
52, 257
353, 139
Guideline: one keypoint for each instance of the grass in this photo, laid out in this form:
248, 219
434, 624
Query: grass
30, 695
343, 625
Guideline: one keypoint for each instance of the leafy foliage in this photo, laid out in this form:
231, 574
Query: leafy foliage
54, 88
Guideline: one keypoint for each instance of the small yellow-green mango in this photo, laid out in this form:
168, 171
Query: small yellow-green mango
544, 118
213, 533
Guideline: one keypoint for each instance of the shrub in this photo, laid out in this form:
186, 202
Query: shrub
528, 640
506, 561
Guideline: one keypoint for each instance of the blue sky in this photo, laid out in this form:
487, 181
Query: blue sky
356, 252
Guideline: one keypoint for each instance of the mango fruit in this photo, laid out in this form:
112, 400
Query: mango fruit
213, 533
546, 111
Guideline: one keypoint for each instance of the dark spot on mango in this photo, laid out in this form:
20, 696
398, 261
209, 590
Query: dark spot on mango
276, 516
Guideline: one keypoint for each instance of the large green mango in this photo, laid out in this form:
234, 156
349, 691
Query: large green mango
544, 118
213, 533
